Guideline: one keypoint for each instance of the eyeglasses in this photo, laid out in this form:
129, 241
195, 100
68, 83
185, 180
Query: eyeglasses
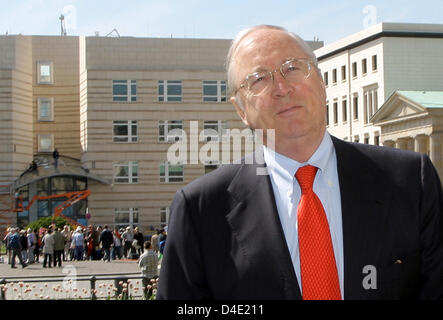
293, 70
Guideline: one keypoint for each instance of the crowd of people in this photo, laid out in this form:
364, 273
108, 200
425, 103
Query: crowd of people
56, 245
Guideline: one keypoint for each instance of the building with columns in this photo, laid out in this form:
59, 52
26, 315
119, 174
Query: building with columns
413, 120
375, 81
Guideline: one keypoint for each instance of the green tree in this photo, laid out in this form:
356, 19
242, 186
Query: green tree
45, 222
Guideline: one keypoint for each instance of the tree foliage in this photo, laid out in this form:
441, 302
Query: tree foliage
45, 222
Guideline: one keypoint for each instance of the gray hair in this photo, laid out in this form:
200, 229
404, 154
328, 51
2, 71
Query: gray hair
233, 50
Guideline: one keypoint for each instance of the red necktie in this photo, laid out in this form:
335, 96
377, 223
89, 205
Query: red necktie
319, 275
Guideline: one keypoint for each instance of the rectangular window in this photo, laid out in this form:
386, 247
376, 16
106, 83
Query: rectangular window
45, 142
344, 107
169, 90
124, 90
377, 140
214, 91
170, 130
335, 112
364, 66
343, 73
355, 109
214, 130
334, 76
327, 114
124, 131
164, 216
126, 172
326, 78
171, 173
354, 69
45, 72
374, 62
126, 217
45, 109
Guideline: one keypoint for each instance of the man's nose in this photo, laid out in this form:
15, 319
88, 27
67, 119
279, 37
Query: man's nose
281, 86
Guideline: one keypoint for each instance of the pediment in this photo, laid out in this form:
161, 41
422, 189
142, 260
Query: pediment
401, 109
397, 108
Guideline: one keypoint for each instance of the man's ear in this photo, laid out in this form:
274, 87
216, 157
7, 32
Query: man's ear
241, 113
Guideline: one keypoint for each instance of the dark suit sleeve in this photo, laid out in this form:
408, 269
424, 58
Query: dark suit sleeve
431, 232
182, 274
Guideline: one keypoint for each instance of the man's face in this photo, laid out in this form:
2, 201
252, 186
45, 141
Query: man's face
294, 110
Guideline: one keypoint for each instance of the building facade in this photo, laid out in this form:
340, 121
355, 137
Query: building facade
363, 70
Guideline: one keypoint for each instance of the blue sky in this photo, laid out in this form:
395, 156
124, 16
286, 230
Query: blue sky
329, 20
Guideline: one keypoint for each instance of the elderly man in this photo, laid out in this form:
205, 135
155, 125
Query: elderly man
330, 220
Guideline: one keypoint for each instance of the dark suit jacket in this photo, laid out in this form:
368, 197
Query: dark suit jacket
225, 239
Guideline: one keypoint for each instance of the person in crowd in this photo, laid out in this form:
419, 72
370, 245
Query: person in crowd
77, 240
9, 232
48, 248
154, 240
38, 244
14, 244
128, 238
148, 263
140, 239
106, 240
116, 249
59, 246
24, 245
67, 235
32, 240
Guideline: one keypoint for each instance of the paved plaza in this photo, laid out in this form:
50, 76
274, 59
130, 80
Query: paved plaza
71, 281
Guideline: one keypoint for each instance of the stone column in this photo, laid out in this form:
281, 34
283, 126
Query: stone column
388, 143
421, 143
436, 152
401, 143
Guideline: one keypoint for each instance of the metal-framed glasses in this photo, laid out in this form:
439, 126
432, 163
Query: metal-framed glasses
293, 70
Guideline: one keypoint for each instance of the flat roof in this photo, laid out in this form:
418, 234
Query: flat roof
382, 29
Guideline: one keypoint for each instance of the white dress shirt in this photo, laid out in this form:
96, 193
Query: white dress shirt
287, 196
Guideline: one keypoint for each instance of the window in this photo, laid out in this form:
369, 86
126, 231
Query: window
335, 110
126, 217
171, 173
44, 72
334, 76
214, 130
326, 78
343, 73
45, 109
214, 91
170, 130
377, 140
356, 139
126, 172
169, 90
354, 69
364, 66
344, 107
355, 103
45, 142
374, 63
124, 131
327, 114
366, 140
124, 90
164, 216
369, 102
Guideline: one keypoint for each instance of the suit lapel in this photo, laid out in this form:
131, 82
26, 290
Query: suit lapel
362, 201
255, 222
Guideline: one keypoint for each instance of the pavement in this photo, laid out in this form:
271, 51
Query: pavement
36, 282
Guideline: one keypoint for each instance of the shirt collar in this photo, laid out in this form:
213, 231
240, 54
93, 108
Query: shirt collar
280, 163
